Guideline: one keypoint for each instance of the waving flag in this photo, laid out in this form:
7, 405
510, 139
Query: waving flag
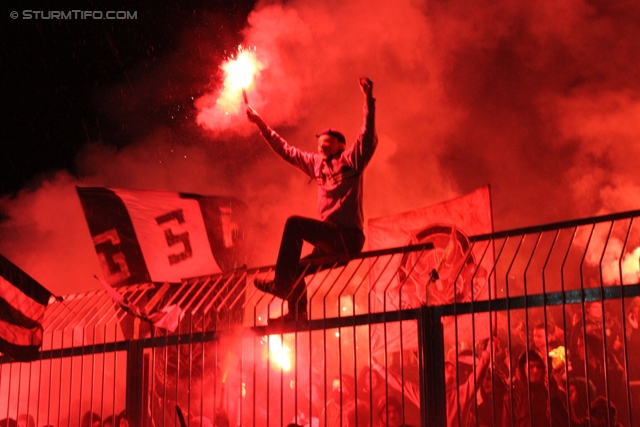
22, 305
454, 271
154, 236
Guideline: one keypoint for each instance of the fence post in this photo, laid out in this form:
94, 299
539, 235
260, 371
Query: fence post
433, 406
135, 383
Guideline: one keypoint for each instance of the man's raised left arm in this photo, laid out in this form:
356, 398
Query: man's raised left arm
367, 141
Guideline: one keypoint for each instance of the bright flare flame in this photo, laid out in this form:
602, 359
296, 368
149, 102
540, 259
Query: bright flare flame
628, 266
239, 73
279, 353
631, 267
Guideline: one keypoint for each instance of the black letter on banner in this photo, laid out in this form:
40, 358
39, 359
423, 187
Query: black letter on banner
111, 257
174, 239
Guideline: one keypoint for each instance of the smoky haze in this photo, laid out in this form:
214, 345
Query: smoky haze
539, 100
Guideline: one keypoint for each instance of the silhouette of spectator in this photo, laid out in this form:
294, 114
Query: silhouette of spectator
356, 414
8, 422
632, 352
460, 395
493, 404
109, 421
545, 339
536, 403
461, 386
90, 419
590, 360
602, 415
633, 338
221, 419
390, 412
25, 420
578, 398
599, 372
342, 392
370, 386
599, 325
200, 422
121, 420
500, 356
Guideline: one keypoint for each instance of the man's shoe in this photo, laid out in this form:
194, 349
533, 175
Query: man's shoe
265, 285
299, 318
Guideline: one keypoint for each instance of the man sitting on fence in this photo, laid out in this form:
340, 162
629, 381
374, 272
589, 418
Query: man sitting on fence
338, 172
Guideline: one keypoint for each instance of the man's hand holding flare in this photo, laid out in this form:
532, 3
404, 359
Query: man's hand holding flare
254, 117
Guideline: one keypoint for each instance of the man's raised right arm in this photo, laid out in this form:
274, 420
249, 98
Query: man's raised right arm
298, 158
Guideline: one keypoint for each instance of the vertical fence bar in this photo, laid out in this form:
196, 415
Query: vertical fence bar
134, 401
624, 324
564, 317
431, 347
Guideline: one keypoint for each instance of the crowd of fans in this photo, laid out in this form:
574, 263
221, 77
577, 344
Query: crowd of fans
580, 372
89, 419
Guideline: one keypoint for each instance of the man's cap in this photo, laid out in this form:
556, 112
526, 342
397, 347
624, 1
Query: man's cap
334, 133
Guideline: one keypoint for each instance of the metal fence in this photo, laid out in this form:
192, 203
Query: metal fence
427, 335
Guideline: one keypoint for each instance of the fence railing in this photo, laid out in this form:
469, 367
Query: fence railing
440, 329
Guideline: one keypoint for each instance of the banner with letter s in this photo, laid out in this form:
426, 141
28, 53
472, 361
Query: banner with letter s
156, 236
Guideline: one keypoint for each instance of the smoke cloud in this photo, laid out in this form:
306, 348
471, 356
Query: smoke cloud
539, 100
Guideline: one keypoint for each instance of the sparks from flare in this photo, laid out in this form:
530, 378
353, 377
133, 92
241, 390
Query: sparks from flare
240, 72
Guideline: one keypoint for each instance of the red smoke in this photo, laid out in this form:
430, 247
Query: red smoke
540, 100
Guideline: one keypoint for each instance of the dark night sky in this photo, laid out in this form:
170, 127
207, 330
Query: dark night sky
57, 77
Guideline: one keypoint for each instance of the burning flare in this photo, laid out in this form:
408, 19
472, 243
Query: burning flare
279, 353
239, 74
